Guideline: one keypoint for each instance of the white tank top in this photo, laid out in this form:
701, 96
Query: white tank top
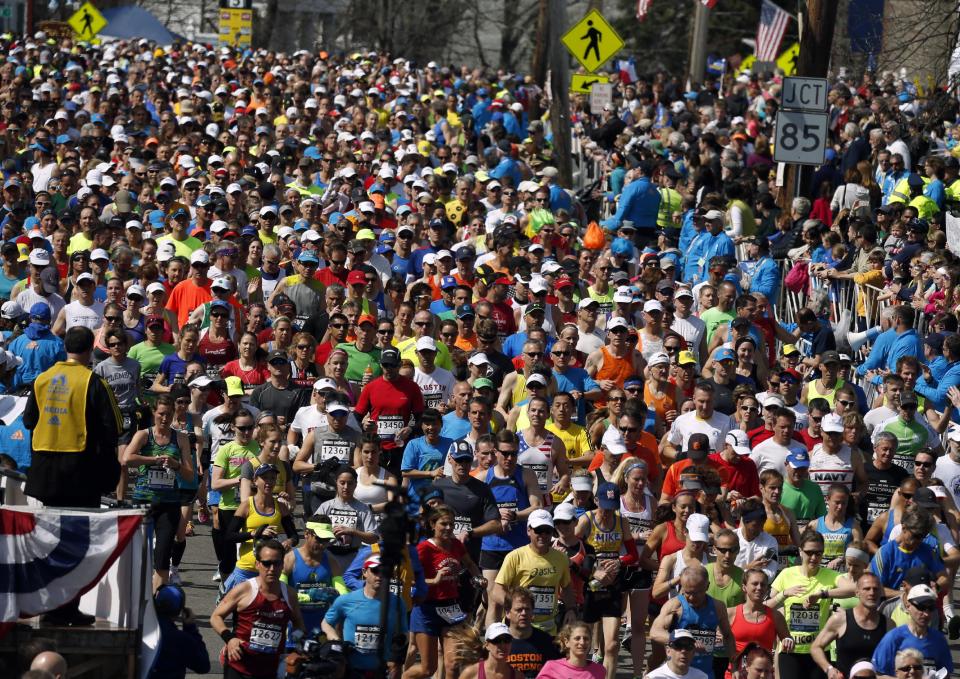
370, 494
641, 523
77, 314
539, 459
826, 468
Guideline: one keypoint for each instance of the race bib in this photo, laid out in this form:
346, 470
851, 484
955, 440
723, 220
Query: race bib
265, 637
451, 614
707, 637
544, 600
540, 470
873, 513
395, 587
335, 449
161, 479
804, 620
641, 528
462, 524
388, 426
127, 421
343, 518
432, 400
366, 638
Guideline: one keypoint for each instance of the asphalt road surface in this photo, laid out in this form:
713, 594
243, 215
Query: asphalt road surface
199, 565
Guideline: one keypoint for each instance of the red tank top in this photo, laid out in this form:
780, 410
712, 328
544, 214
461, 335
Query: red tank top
744, 631
261, 627
671, 543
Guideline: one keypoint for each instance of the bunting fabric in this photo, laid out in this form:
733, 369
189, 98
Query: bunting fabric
48, 557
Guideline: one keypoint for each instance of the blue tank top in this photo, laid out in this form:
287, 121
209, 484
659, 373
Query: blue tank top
314, 587
702, 623
137, 333
509, 493
835, 540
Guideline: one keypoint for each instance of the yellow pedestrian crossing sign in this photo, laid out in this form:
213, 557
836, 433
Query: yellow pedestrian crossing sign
87, 21
592, 41
582, 82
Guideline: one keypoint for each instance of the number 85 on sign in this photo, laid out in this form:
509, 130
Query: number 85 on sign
801, 138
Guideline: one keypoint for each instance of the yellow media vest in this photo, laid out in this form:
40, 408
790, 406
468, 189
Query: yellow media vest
61, 393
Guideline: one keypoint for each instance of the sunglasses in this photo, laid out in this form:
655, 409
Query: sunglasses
847, 404
910, 668
629, 430
561, 353
247, 427
384, 331
727, 550
114, 345
112, 319
543, 530
338, 326
271, 563
303, 347
923, 464
507, 453
813, 552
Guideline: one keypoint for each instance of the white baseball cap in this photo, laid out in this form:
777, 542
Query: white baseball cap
39, 257
538, 518
698, 528
199, 257
623, 295
426, 344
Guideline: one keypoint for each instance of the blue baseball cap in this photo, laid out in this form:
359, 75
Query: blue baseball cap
180, 212
307, 256
301, 225
204, 201
219, 304
63, 139
799, 459
448, 282
156, 216
40, 311
724, 354
11, 182
387, 237
248, 231
608, 496
383, 248
465, 310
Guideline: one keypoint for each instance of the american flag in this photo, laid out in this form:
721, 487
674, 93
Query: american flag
773, 24
643, 6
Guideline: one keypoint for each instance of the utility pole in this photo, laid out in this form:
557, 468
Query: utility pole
560, 98
541, 47
816, 41
698, 43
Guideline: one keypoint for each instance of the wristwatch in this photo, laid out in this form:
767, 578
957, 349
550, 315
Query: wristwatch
824, 593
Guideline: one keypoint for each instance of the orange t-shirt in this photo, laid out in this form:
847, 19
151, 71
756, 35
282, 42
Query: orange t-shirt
647, 450
186, 297
671, 482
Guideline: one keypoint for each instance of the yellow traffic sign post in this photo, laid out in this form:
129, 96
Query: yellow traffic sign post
582, 82
592, 41
87, 21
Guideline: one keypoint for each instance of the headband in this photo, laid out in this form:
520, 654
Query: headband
858, 554
639, 464
863, 666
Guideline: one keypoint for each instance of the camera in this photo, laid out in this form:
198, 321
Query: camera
315, 656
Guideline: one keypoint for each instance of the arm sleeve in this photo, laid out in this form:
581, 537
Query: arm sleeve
289, 527
236, 531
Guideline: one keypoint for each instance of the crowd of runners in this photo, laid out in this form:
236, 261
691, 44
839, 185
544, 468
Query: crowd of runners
652, 410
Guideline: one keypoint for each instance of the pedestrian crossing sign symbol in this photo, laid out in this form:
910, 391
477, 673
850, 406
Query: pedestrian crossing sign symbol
87, 21
582, 82
592, 41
